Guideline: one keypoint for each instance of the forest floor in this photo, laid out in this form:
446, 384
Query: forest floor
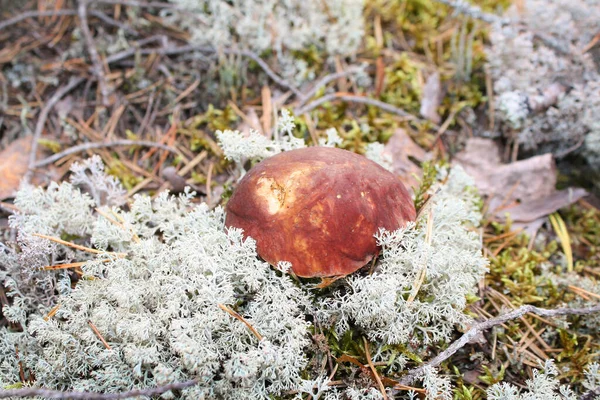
114, 78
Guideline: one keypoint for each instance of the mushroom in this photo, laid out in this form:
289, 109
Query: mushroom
318, 208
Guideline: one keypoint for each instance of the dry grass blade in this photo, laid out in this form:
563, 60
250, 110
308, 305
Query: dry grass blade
563, 234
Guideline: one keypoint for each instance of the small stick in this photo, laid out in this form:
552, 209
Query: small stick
190, 48
39, 126
98, 68
240, 318
478, 328
57, 394
326, 79
142, 4
351, 98
94, 145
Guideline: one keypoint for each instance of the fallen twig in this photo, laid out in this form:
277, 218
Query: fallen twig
143, 4
34, 14
57, 394
108, 20
39, 126
61, 13
170, 51
98, 68
351, 98
590, 395
485, 325
326, 79
94, 145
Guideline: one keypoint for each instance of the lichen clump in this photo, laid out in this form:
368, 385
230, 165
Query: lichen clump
166, 271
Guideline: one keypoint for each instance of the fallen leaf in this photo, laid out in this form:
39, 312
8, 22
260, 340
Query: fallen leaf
251, 121
14, 160
432, 97
525, 189
532, 210
400, 148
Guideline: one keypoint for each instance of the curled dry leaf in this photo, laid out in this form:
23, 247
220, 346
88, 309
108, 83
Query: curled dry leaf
526, 189
400, 149
14, 161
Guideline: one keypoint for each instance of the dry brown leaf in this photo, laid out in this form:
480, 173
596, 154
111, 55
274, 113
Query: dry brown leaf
525, 189
14, 160
251, 121
399, 148
528, 212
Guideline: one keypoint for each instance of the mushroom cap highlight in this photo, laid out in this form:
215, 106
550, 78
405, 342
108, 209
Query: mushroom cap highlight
318, 208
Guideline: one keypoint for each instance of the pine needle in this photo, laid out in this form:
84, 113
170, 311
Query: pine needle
240, 318
78, 247
375, 374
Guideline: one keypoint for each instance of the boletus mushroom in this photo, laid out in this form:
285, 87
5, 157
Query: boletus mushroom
318, 208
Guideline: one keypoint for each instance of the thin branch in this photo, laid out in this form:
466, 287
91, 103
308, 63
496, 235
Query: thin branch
39, 127
98, 68
329, 78
170, 51
59, 13
110, 21
57, 394
143, 4
276, 78
480, 327
33, 14
351, 98
71, 265
135, 47
94, 145
591, 395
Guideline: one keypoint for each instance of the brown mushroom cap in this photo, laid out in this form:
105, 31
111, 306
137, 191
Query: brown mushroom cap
318, 208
